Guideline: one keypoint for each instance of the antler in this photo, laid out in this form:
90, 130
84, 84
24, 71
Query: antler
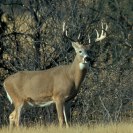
65, 32
103, 33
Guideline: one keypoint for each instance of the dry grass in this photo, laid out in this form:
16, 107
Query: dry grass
111, 128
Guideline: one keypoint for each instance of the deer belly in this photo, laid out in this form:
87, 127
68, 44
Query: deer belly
40, 104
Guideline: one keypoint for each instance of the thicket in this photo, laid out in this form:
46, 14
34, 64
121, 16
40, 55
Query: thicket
31, 38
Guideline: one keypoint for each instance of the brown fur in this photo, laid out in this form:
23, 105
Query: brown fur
57, 84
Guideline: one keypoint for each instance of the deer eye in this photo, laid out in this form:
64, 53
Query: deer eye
80, 51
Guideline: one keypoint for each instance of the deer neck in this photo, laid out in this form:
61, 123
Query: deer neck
77, 73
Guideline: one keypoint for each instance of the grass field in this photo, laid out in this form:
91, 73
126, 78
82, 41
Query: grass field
110, 128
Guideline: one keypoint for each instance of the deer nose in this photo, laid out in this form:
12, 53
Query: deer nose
86, 59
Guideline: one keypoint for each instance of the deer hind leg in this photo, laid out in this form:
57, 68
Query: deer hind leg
14, 117
65, 117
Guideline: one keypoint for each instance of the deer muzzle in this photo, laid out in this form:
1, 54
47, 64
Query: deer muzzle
86, 59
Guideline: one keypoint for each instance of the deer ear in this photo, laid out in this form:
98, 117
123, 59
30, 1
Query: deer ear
76, 45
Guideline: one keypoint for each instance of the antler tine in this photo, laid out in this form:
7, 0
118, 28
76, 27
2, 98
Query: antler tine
104, 30
79, 36
89, 38
103, 33
106, 27
97, 33
64, 26
64, 29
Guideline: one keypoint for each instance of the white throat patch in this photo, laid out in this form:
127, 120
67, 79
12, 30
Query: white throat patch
82, 66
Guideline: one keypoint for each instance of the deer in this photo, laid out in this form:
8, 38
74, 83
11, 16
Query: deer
55, 85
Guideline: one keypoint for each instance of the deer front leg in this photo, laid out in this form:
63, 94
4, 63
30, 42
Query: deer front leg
59, 108
18, 113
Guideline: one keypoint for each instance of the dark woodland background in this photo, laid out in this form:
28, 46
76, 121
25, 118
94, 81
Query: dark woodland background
31, 38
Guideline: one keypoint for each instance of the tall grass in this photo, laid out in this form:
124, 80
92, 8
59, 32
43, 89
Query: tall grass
110, 128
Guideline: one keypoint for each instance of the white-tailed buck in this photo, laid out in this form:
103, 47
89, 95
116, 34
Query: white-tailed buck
56, 85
